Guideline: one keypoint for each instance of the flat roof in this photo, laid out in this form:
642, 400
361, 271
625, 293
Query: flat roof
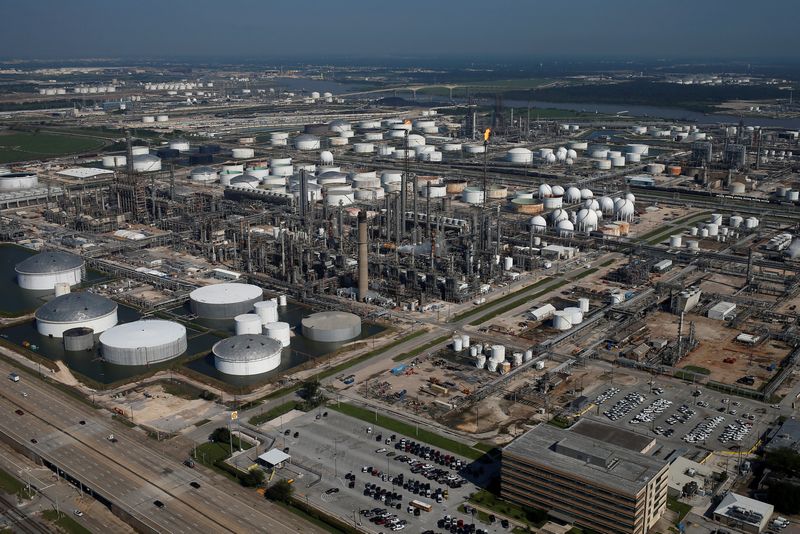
274, 457
786, 437
83, 172
586, 458
612, 435
733, 504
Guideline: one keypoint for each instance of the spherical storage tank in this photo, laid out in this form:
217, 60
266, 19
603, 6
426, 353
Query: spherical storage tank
247, 355
16, 181
224, 301
46, 269
143, 342
545, 191
75, 310
331, 326
573, 194
538, 223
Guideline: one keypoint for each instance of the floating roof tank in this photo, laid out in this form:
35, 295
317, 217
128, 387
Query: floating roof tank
224, 301
143, 342
332, 326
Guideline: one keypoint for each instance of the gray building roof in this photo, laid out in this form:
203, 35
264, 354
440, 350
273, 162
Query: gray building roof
246, 348
612, 435
74, 307
786, 437
587, 458
745, 509
49, 262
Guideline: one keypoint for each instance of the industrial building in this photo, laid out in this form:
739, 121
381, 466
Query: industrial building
247, 355
143, 342
46, 269
743, 513
224, 301
76, 310
585, 480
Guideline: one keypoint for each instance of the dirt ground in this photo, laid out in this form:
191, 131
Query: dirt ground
651, 220
717, 343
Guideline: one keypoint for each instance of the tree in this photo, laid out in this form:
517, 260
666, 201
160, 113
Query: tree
784, 460
280, 491
253, 478
221, 435
785, 497
312, 393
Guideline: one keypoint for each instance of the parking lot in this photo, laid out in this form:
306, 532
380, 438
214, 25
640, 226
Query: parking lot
683, 415
358, 472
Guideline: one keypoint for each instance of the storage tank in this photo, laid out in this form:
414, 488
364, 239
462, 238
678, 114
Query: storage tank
631, 157
108, 162
735, 221
75, 310
508, 263
480, 361
618, 161
331, 326
545, 191
572, 195
458, 344
306, 142
224, 301
78, 339
750, 223
693, 244
451, 147
675, 241
148, 119
18, 181
565, 227
575, 315
498, 353
143, 342
517, 356
243, 153
267, 311
162, 118
472, 195
528, 355
278, 138
46, 269
520, 156
561, 320
146, 163
247, 323
491, 365
363, 148
583, 304
474, 149
203, 175
247, 355
465, 341
713, 229
455, 185
497, 191
538, 223
280, 331
181, 145
339, 197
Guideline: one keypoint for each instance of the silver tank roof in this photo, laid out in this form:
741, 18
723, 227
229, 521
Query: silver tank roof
203, 170
49, 262
246, 348
143, 333
74, 307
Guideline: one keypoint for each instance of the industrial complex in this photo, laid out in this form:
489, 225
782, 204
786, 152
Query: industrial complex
432, 313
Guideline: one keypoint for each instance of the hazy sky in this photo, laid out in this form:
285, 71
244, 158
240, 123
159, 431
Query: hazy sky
380, 28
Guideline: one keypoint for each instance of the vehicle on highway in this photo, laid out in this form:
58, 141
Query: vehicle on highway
159, 504
24, 394
296, 435
331, 491
77, 513
19, 412
14, 377
189, 463
194, 484
34, 441
381, 450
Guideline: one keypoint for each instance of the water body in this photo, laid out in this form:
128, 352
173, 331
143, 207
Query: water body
16, 301
298, 85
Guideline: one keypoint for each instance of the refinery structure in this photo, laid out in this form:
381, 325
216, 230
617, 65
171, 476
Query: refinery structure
450, 264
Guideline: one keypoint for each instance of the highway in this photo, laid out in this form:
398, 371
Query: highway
130, 473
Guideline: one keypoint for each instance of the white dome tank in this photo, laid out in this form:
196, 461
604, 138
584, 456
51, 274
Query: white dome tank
545, 191
565, 227
573, 195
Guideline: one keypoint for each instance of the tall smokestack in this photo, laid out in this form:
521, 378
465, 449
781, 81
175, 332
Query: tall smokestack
363, 261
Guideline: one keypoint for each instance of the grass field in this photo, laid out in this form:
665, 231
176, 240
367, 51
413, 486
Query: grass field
209, 453
24, 146
65, 522
530, 516
11, 485
679, 508
277, 411
482, 307
412, 431
419, 350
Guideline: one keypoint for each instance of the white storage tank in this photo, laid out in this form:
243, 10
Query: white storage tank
551, 203
474, 149
280, 331
332, 326
480, 361
472, 195
224, 301
143, 342
363, 148
306, 142
46, 269
498, 353
572, 195
146, 163
203, 175
267, 311
243, 153
575, 315
561, 320
528, 355
247, 323
181, 145
675, 241
76, 310
247, 355
517, 356
602, 164
162, 118
465, 340
18, 181
458, 344
583, 304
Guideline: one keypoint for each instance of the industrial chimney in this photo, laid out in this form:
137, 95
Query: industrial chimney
363, 261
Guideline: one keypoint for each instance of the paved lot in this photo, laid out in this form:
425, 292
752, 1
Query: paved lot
680, 394
331, 447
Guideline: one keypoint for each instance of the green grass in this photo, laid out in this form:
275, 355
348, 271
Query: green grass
23, 146
607, 263
487, 305
212, 452
202, 422
677, 226
421, 349
421, 434
271, 414
317, 517
124, 420
678, 507
180, 389
517, 303
529, 516
485, 447
65, 522
11, 485
697, 369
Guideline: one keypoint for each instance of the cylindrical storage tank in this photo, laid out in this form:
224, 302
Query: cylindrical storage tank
527, 195
226, 178
735, 221
737, 188
62, 288
750, 223
434, 190
162, 118
675, 241
618, 161
281, 300
713, 229
332, 177
508, 263
480, 361
403, 154
396, 134
332, 326
693, 230
527, 206
613, 154
528, 355
655, 168
279, 331
632, 157
282, 170
598, 153
674, 170
75, 310
306, 142
517, 356
78, 339
247, 323
575, 315
692, 244
267, 311
793, 195
243, 153
247, 355
17, 181
259, 172
373, 136
146, 163
338, 141
716, 218
451, 147
498, 353
455, 185
390, 177
203, 175
561, 320
473, 351
497, 191
385, 150
46, 269
491, 365
181, 145
474, 149
637, 149
224, 301
551, 203
583, 304
465, 341
578, 145
704, 232
143, 342
520, 155
245, 180
339, 198
458, 345
109, 162
148, 119
472, 195
479, 348
415, 140
363, 148
602, 164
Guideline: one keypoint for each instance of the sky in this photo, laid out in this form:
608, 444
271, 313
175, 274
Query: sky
662, 29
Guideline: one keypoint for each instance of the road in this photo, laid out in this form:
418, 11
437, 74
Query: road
130, 473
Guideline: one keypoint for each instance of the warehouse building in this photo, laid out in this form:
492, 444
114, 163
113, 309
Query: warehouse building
587, 481
743, 513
